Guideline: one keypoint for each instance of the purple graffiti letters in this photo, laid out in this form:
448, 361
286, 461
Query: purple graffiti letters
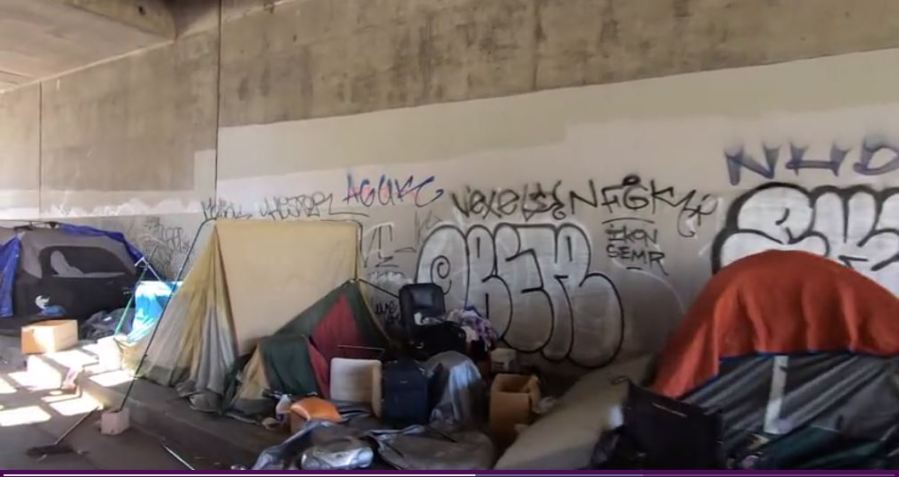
391, 191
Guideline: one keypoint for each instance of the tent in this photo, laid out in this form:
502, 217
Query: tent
64, 269
250, 281
800, 355
296, 359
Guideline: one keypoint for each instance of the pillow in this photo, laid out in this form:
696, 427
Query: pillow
564, 438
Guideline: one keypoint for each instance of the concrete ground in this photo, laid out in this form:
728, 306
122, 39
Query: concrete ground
31, 415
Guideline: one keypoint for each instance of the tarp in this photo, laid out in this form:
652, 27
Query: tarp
150, 299
457, 392
778, 302
854, 395
413, 448
9, 261
250, 280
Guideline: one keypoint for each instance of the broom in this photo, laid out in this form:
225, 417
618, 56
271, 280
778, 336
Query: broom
58, 447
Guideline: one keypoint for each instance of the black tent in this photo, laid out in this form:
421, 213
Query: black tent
63, 270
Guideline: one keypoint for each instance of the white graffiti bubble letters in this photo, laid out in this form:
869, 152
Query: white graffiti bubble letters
535, 284
856, 226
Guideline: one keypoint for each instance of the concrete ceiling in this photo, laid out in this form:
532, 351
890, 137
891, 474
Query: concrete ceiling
43, 38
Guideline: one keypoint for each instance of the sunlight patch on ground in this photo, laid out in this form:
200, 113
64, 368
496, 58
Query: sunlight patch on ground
35, 382
112, 378
58, 397
23, 415
5, 387
40, 377
79, 405
96, 369
73, 358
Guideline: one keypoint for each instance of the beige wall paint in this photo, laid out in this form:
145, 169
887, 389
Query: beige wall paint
631, 261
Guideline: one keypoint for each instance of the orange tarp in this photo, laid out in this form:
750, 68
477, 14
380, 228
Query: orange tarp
778, 302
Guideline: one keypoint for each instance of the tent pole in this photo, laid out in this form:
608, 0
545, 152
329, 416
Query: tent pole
378, 288
165, 307
193, 244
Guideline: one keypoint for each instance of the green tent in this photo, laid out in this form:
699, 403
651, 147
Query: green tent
296, 359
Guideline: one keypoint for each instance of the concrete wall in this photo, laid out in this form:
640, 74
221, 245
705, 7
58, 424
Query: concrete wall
304, 109
137, 135
41, 38
319, 58
142, 130
20, 152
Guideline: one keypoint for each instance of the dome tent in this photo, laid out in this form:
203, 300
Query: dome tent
799, 354
64, 270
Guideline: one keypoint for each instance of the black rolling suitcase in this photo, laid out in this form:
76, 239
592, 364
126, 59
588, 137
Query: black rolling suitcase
405, 390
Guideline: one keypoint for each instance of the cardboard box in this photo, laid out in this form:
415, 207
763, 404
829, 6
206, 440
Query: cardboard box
49, 336
512, 398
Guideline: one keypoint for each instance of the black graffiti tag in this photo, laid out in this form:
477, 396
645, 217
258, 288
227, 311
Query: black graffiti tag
536, 284
630, 196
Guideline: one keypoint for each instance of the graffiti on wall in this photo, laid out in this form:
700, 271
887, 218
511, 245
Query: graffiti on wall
534, 258
535, 282
168, 245
634, 241
224, 209
857, 226
387, 190
874, 156
631, 195
631, 238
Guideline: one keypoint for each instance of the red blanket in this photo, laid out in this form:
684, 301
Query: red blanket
778, 302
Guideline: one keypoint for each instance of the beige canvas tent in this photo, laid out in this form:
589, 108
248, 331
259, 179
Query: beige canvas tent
251, 278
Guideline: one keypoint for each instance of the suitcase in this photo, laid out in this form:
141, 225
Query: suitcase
405, 388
